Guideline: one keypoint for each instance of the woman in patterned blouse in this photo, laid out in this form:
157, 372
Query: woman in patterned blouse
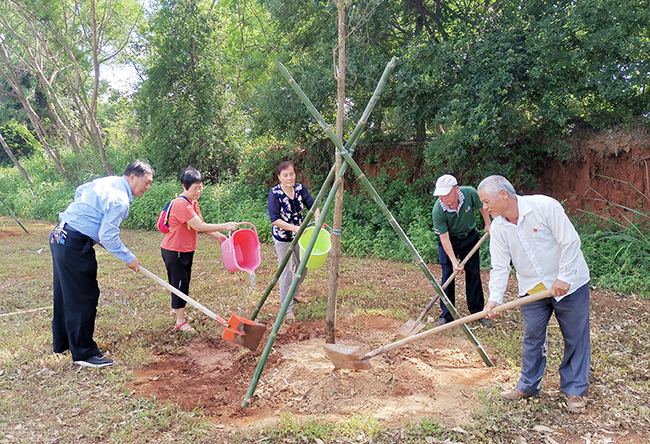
287, 202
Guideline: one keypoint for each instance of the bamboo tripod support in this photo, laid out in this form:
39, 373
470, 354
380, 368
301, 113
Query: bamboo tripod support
354, 137
344, 151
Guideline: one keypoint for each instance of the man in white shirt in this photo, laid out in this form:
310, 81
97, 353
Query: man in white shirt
535, 235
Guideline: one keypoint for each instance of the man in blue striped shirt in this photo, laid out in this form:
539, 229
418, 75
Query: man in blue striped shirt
95, 215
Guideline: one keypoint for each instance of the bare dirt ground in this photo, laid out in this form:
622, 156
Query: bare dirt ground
436, 377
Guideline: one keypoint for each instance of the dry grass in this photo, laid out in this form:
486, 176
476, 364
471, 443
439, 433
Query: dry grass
44, 399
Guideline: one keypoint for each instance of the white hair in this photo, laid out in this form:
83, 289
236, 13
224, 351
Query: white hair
492, 185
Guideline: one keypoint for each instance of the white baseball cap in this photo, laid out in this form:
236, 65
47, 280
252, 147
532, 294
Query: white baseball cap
444, 184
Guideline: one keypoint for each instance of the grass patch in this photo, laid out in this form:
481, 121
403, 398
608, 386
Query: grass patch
43, 398
295, 430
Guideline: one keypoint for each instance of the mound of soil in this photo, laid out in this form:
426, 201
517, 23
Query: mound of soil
437, 376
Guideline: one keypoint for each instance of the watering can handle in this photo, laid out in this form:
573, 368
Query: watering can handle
247, 223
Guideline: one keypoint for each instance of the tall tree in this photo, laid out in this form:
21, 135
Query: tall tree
17, 164
339, 70
64, 44
203, 57
15, 89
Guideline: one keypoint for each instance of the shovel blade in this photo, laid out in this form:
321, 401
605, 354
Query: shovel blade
249, 333
410, 328
346, 357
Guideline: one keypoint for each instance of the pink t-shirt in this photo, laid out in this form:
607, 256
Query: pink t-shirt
181, 236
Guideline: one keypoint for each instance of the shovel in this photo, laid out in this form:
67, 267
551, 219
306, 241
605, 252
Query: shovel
247, 333
350, 356
412, 327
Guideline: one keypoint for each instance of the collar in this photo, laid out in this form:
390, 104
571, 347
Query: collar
461, 200
128, 189
524, 209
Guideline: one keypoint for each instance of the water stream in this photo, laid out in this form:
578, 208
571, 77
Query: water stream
253, 282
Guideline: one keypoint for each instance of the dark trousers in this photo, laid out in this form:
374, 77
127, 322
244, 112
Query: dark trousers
474, 290
179, 273
76, 295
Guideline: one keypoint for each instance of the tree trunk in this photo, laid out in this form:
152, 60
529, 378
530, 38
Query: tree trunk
335, 251
421, 132
37, 61
3, 142
86, 107
96, 132
11, 79
99, 141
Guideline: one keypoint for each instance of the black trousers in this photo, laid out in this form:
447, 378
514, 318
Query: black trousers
179, 273
474, 290
76, 295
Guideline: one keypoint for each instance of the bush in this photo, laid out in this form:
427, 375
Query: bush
617, 253
219, 203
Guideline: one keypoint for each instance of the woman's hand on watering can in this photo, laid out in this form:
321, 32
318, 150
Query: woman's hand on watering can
231, 226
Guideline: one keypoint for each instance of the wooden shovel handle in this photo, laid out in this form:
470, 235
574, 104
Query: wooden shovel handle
474, 317
179, 293
451, 278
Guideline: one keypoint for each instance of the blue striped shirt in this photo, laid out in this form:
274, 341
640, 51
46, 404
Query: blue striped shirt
98, 209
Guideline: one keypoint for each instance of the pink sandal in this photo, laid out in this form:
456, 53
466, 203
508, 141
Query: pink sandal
183, 327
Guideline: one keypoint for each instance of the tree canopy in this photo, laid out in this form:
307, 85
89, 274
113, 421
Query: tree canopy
484, 86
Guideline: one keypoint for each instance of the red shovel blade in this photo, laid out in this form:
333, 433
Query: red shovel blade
251, 335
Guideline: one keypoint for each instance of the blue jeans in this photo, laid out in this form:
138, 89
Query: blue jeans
572, 314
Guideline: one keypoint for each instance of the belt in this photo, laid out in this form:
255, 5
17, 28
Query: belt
69, 229
463, 236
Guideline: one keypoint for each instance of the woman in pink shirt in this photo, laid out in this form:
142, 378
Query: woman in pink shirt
177, 248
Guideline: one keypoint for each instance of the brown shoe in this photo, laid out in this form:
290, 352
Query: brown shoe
514, 394
575, 404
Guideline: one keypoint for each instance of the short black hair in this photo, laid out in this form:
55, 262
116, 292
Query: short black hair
139, 168
283, 166
190, 176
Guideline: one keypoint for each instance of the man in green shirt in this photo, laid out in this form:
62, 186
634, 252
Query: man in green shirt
455, 225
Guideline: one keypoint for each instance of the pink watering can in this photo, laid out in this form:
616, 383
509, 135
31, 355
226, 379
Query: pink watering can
241, 251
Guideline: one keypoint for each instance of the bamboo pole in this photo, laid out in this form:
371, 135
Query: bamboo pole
13, 215
31, 310
294, 242
352, 143
349, 146
398, 229
416, 256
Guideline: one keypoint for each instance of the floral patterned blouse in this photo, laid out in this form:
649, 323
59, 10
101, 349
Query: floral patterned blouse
289, 210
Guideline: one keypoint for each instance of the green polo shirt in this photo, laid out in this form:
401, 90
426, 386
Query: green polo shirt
461, 221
